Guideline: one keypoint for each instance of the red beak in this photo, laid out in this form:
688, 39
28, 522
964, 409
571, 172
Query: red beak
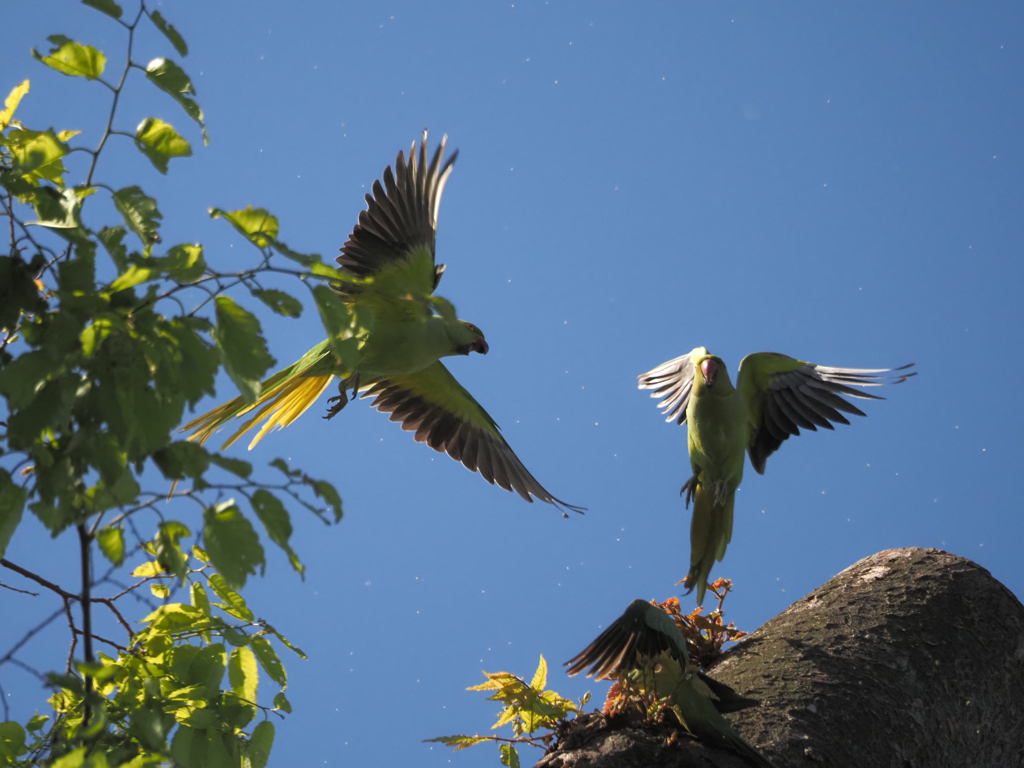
480, 345
709, 369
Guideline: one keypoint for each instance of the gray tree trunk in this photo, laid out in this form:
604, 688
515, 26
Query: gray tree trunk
911, 658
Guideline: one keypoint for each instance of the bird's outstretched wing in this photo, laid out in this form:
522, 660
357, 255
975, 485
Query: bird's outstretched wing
673, 381
784, 394
445, 416
397, 231
616, 649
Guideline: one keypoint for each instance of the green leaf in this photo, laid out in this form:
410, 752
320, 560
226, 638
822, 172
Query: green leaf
37, 155
509, 756
339, 322
12, 506
305, 259
268, 660
279, 301
184, 263
73, 759
108, 7
140, 213
182, 459
199, 598
161, 591
281, 702
172, 80
258, 752
255, 224
459, 741
148, 727
60, 210
111, 238
12, 742
111, 541
235, 604
167, 550
276, 521
235, 466
329, 493
169, 32
231, 542
243, 673
159, 142
243, 349
71, 58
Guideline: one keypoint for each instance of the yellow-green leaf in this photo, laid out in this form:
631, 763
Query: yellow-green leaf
72, 58
160, 590
11, 103
255, 224
159, 142
146, 570
540, 677
243, 673
111, 541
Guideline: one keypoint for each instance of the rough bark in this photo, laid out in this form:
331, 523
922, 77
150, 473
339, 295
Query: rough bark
911, 658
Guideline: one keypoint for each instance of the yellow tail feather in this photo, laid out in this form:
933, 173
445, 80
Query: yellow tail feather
284, 404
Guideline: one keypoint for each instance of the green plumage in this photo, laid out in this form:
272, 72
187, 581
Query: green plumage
645, 646
775, 396
405, 331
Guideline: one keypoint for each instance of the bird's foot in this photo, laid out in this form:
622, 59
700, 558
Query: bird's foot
339, 405
689, 488
342, 398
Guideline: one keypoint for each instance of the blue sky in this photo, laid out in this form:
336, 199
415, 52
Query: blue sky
839, 183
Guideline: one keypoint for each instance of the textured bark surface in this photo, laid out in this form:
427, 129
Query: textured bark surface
911, 658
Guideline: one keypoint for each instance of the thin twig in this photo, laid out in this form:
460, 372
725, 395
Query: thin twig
22, 591
38, 579
74, 633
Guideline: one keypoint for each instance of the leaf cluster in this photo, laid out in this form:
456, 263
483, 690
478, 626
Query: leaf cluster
107, 335
532, 710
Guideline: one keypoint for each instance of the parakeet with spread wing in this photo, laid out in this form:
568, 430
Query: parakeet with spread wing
390, 253
645, 647
775, 395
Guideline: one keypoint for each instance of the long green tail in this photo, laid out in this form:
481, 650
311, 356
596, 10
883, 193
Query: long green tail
710, 534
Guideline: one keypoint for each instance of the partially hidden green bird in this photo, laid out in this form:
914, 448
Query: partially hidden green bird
390, 253
646, 648
774, 397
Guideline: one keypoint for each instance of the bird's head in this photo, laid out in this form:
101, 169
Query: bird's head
468, 338
710, 367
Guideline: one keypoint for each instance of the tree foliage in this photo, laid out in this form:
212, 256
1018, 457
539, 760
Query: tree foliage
106, 336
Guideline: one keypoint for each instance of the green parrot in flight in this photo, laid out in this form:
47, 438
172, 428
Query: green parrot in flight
775, 395
390, 255
646, 647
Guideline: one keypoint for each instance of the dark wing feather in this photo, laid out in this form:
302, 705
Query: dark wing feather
617, 647
445, 416
400, 215
673, 381
809, 397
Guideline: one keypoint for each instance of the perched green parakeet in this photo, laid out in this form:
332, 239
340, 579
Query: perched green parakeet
645, 647
775, 395
404, 332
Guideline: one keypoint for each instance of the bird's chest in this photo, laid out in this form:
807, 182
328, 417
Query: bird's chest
716, 431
